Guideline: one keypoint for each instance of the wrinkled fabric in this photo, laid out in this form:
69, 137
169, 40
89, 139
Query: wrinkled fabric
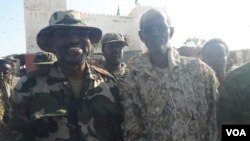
176, 103
45, 109
233, 103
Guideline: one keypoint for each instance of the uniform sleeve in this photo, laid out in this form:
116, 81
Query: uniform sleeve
229, 109
132, 126
108, 125
117, 131
211, 93
18, 118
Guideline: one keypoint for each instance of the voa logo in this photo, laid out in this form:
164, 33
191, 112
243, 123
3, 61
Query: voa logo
236, 132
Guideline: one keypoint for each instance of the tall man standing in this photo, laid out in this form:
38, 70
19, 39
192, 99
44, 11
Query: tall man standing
75, 101
167, 97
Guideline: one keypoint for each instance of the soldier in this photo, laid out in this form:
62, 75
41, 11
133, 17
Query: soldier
215, 54
75, 101
233, 103
112, 49
5, 92
43, 62
167, 97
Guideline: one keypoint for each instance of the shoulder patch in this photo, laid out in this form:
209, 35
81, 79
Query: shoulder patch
102, 71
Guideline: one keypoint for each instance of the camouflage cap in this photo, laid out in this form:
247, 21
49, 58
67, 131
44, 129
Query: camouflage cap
63, 19
44, 58
113, 37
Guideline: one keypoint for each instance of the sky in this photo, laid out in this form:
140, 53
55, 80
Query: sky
206, 19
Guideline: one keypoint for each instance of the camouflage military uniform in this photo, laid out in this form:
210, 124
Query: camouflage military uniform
5, 92
45, 108
120, 74
171, 104
233, 103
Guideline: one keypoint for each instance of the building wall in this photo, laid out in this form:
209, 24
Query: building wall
240, 57
36, 15
109, 23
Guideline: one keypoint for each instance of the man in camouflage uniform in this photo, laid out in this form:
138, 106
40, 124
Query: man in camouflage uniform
233, 103
112, 50
5, 92
74, 101
167, 97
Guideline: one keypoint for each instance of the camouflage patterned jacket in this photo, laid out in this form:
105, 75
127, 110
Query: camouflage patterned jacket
44, 108
233, 103
120, 74
5, 92
176, 103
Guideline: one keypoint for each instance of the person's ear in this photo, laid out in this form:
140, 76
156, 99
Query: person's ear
141, 35
171, 32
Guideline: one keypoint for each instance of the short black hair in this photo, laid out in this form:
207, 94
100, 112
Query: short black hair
214, 41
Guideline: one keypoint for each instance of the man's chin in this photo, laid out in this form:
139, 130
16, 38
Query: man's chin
75, 62
157, 49
75, 59
115, 63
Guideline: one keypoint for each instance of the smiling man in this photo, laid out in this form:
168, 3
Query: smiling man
167, 97
74, 101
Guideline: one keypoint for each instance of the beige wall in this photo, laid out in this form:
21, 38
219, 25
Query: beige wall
36, 15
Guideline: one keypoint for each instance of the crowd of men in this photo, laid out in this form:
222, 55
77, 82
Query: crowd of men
158, 96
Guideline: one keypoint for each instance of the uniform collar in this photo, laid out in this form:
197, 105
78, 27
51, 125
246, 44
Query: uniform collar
173, 59
57, 73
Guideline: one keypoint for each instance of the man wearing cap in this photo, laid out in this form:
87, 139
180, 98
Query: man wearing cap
168, 97
43, 62
112, 50
75, 101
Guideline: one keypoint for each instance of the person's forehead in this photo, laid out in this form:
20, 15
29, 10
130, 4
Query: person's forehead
218, 47
115, 44
155, 17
